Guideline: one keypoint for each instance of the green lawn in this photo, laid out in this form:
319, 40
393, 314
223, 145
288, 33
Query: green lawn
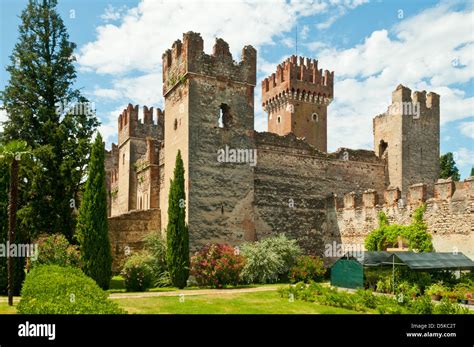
239, 303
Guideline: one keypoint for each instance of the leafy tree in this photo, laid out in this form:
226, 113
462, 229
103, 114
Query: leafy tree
472, 171
447, 167
11, 153
92, 229
53, 118
177, 257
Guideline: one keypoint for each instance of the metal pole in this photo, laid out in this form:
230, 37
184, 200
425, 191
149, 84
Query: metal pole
393, 273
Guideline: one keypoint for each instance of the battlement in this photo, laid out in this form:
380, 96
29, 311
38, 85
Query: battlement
187, 58
300, 79
130, 126
444, 190
404, 102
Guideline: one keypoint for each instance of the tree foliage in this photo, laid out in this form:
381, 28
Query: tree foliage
92, 228
39, 100
177, 257
416, 234
447, 167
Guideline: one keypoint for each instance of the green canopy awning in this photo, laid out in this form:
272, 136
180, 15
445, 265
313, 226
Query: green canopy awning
433, 260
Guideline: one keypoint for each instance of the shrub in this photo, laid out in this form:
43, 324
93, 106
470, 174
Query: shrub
217, 265
137, 272
156, 246
53, 289
366, 298
436, 289
269, 260
385, 285
307, 268
56, 250
447, 307
410, 290
422, 305
415, 234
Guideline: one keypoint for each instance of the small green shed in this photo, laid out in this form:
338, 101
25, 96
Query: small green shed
348, 271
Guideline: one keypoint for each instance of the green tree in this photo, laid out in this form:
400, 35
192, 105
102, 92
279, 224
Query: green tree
54, 119
472, 171
11, 153
177, 231
447, 167
92, 229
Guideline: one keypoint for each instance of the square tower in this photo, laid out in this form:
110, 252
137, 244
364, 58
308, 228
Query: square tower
209, 103
407, 137
296, 98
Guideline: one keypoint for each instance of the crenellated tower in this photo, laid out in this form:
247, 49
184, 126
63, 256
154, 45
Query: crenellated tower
296, 98
209, 101
407, 137
132, 146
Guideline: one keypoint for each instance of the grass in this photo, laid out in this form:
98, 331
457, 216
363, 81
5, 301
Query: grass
268, 302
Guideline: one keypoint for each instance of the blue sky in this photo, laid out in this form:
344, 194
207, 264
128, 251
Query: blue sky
371, 45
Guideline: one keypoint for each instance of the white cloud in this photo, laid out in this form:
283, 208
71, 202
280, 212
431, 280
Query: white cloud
107, 93
467, 129
147, 30
113, 13
464, 157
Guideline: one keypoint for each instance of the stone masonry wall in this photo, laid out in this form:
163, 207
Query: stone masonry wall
126, 233
292, 181
449, 215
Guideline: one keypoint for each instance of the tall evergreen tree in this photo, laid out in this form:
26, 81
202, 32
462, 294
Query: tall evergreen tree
177, 230
92, 229
472, 171
447, 167
39, 100
12, 154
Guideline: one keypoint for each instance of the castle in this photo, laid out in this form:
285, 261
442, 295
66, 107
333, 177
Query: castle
294, 186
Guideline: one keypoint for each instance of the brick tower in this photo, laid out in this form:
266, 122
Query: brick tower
296, 98
209, 101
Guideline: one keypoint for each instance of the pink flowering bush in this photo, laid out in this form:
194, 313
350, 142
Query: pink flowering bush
217, 265
307, 268
55, 250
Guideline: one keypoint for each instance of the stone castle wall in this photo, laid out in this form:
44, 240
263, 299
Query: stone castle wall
127, 231
449, 215
292, 181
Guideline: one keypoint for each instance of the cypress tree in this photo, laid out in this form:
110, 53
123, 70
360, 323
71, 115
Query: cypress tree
177, 230
92, 228
54, 119
472, 171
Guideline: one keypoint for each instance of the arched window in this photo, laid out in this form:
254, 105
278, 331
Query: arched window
279, 119
315, 117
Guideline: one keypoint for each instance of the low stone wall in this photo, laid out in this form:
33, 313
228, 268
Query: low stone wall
449, 215
126, 233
